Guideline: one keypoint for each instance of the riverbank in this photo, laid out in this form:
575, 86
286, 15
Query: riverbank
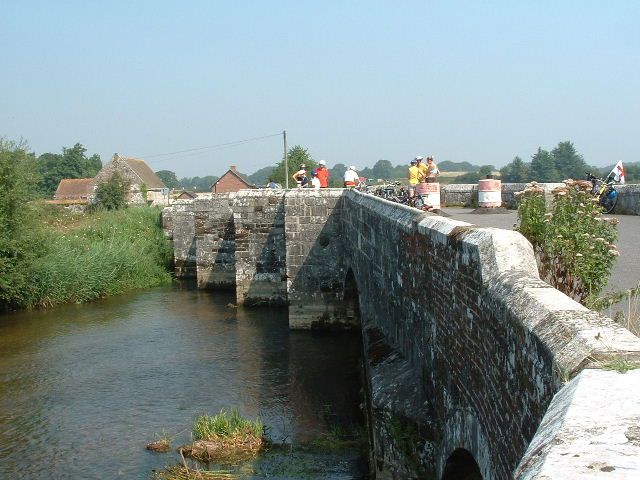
75, 258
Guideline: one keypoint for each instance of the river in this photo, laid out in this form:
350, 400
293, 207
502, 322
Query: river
84, 388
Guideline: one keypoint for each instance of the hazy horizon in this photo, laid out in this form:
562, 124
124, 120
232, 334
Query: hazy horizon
353, 83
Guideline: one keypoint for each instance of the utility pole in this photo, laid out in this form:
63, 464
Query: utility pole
286, 165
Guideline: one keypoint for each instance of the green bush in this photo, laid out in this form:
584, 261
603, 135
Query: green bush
119, 251
573, 243
18, 244
110, 252
112, 193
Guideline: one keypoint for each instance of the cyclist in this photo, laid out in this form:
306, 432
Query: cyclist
351, 177
413, 176
323, 174
424, 170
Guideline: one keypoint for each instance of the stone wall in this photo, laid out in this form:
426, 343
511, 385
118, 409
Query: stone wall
466, 195
465, 345
628, 200
315, 260
258, 216
215, 243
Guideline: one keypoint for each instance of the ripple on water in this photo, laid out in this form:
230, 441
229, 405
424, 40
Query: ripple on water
84, 388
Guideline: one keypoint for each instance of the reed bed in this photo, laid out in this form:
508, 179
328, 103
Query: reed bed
101, 254
181, 472
224, 437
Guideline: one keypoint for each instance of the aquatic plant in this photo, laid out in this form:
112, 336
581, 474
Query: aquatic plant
182, 472
162, 443
226, 424
224, 437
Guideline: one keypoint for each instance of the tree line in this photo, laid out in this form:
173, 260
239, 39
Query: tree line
561, 163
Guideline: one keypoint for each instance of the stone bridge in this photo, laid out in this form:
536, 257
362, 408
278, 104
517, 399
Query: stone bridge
472, 362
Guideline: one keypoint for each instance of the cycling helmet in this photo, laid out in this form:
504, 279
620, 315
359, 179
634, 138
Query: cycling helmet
352, 168
321, 162
418, 159
414, 162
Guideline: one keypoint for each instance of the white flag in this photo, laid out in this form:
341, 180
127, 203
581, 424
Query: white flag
618, 172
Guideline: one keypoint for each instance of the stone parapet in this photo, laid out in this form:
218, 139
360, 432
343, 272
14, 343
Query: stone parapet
628, 199
466, 194
590, 430
461, 312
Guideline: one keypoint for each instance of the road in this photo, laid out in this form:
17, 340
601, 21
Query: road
626, 270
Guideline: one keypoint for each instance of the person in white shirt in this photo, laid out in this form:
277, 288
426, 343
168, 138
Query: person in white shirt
351, 177
315, 181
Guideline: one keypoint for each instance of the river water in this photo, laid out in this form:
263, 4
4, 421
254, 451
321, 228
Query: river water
84, 388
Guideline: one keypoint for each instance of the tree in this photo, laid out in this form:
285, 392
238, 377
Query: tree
569, 163
112, 193
336, 180
296, 156
73, 163
515, 172
473, 177
382, 169
201, 184
168, 178
261, 176
18, 178
543, 167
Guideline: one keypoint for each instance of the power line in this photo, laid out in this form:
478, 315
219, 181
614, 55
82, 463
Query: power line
217, 147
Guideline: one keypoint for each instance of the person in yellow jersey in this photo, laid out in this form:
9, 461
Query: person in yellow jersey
413, 175
424, 171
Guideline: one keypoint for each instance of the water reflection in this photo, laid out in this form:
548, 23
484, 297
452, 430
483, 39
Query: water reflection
84, 388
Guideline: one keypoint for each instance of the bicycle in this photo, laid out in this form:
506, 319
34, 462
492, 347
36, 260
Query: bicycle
605, 191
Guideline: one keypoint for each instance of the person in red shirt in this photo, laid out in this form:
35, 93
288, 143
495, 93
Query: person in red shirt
323, 174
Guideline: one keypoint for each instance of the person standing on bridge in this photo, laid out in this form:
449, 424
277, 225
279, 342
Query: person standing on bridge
300, 176
432, 169
351, 178
315, 181
424, 171
413, 175
323, 174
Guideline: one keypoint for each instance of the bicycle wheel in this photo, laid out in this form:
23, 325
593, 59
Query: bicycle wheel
608, 204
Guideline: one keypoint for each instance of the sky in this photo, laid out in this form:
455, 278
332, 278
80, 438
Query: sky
351, 81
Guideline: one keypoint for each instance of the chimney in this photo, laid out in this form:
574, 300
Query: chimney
233, 168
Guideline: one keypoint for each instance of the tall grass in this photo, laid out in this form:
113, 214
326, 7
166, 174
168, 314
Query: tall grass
224, 424
109, 252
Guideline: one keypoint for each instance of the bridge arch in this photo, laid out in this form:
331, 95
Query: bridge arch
461, 464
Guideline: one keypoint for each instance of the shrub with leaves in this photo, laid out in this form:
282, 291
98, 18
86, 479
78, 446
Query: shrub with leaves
112, 194
572, 241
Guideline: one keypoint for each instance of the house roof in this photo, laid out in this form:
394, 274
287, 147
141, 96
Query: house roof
75, 186
185, 193
235, 173
142, 170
